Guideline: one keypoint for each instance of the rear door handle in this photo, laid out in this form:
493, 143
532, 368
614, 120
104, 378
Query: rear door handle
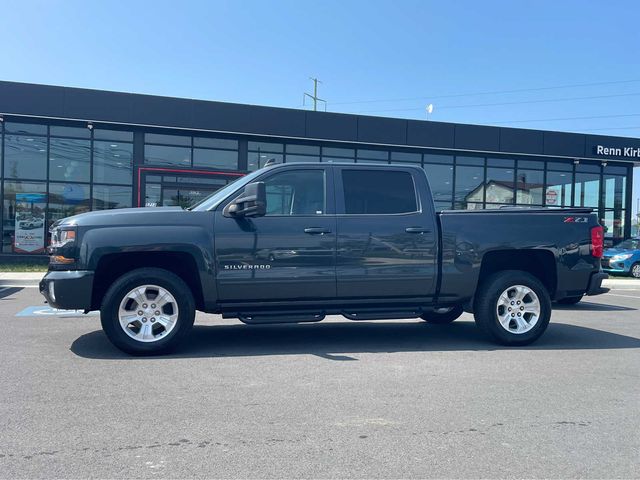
416, 230
316, 230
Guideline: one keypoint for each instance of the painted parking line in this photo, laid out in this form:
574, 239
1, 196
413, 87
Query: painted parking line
44, 311
637, 297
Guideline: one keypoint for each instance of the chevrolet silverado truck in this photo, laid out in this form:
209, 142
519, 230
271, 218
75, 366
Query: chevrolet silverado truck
296, 242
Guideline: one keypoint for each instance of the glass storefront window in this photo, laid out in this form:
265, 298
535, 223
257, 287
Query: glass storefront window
117, 135
227, 159
111, 196
24, 207
222, 143
163, 155
301, 159
469, 187
406, 157
112, 162
558, 192
266, 147
500, 185
167, 139
586, 192
463, 160
76, 132
67, 199
25, 128
258, 159
303, 149
25, 157
432, 158
530, 187
349, 153
440, 179
367, 155
613, 223
69, 159
615, 191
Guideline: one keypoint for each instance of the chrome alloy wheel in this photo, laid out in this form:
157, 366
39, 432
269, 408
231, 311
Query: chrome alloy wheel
148, 313
635, 270
518, 309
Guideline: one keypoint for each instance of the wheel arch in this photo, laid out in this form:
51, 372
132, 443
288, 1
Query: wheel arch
113, 265
538, 262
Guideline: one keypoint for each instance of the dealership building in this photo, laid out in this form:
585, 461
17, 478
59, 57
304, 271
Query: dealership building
68, 150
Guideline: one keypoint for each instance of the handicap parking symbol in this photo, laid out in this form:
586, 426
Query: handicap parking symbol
44, 311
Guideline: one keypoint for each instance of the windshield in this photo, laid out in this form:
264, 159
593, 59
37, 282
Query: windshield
215, 198
631, 244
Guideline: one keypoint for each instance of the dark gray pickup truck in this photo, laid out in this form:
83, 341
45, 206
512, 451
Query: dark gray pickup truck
296, 242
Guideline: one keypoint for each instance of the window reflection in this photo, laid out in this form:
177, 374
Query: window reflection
106, 197
469, 187
112, 162
530, 186
25, 157
69, 159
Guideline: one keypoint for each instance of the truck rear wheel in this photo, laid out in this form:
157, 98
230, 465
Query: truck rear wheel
442, 316
147, 311
512, 307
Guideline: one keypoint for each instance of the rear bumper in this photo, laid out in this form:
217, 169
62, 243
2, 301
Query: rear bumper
68, 289
595, 284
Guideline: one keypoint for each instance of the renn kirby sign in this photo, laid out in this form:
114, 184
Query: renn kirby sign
629, 152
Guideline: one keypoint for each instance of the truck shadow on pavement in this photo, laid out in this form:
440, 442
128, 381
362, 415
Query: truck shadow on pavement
333, 340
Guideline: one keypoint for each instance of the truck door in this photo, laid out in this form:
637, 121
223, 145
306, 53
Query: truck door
387, 234
288, 254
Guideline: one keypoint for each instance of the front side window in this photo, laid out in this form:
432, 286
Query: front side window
378, 192
296, 192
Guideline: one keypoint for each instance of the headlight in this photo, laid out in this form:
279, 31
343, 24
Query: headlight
61, 237
63, 246
621, 257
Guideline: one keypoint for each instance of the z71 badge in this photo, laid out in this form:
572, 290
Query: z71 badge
576, 219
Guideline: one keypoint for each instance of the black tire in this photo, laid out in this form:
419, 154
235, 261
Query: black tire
569, 300
442, 318
486, 305
147, 276
634, 271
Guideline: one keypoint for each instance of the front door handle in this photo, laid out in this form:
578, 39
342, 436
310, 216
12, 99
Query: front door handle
316, 230
416, 230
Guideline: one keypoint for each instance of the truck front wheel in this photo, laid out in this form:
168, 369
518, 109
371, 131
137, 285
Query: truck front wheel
147, 311
443, 315
512, 307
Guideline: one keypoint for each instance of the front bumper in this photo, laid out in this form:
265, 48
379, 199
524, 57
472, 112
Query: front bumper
69, 290
620, 267
595, 284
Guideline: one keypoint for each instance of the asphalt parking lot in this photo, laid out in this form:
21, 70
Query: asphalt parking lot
334, 399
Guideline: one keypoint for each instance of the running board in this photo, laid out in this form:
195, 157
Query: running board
381, 315
280, 318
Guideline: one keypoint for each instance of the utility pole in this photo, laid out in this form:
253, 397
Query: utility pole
314, 97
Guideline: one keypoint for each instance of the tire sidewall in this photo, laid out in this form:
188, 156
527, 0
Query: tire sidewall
487, 317
147, 276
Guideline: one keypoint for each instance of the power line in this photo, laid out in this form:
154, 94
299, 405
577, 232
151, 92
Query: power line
523, 102
495, 92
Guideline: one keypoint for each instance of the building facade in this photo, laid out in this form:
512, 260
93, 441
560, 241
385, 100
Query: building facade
65, 151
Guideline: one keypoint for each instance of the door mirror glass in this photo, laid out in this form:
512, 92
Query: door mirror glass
251, 203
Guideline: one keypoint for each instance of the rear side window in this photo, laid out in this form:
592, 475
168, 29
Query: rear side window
378, 192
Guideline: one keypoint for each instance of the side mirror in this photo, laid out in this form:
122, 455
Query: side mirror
251, 203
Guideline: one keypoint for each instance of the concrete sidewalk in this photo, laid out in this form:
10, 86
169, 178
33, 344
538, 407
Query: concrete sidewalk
20, 279
31, 279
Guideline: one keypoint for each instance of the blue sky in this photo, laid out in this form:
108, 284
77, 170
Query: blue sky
387, 58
